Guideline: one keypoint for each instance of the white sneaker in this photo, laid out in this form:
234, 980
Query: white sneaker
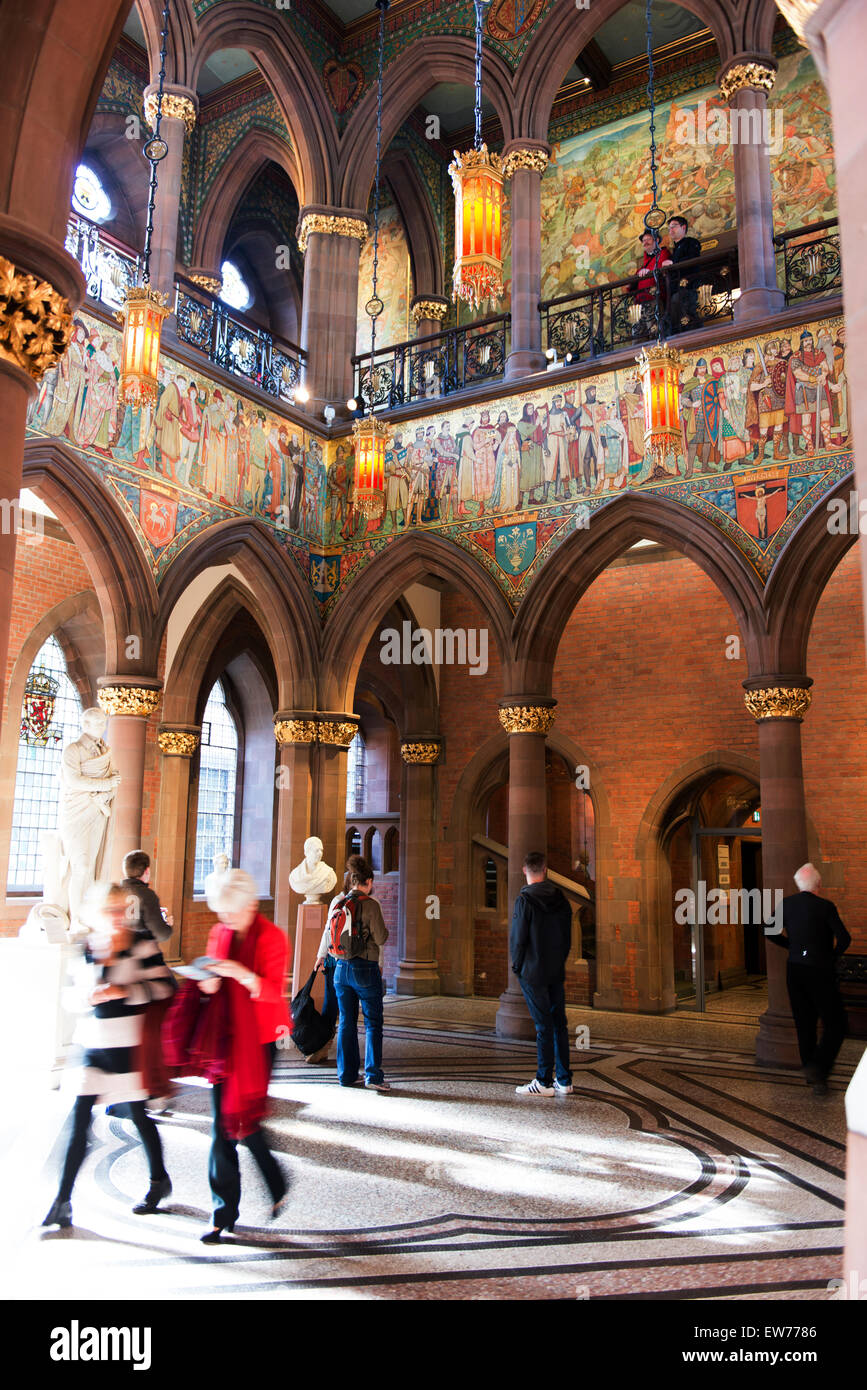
534, 1088
563, 1090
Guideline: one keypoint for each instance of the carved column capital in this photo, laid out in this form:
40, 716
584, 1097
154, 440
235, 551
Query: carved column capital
180, 742
421, 750
527, 717
429, 306
777, 701
139, 699
178, 103
35, 321
757, 71
208, 280
330, 222
295, 726
337, 730
525, 154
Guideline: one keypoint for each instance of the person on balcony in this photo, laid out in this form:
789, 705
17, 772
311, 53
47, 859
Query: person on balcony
683, 310
655, 257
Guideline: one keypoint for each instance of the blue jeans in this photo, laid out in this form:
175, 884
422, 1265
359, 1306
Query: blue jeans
356, 980
547, 1005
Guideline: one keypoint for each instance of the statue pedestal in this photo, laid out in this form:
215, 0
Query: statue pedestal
35, 1028
309, 926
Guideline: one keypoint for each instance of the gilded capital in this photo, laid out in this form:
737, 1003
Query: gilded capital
758, 75
138, 700
178, 743
331, 225
338, 732
35, 321
437, 309
526, 719
525, 157
419, 752
778, 702
295, 730
179, 107
211, 284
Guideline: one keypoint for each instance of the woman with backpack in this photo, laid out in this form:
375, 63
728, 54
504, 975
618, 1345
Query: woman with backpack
353, 935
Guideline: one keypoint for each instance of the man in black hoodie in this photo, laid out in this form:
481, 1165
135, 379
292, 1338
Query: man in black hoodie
539, 944
683, 309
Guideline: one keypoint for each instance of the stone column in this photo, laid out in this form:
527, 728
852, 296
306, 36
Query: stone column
524, 163
778, 704
527, 720
330, 240
177, 744
178, 118
744, 84
39, 286
334, 733
429, 313
417, 970
295, 731
128, 706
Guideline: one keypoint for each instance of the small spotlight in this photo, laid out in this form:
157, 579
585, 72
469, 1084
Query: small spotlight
550, 354
352, 403
302, 394
568, 357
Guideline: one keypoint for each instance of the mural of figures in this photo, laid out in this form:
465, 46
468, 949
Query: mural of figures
394, 278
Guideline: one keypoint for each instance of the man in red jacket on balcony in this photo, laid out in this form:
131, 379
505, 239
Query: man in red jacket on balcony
655, 257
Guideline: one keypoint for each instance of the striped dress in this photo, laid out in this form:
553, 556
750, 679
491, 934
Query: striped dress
110, 1036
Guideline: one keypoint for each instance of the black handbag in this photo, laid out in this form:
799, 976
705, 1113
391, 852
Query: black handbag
310, 1031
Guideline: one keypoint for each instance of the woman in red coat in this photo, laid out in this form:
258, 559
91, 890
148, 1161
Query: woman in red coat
253, 956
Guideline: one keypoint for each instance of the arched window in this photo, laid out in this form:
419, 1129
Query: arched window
490, 882
50, 717
235, 291
89, 198
218, 777
355, 772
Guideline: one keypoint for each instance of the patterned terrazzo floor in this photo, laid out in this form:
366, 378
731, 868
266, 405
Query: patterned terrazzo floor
678, 1170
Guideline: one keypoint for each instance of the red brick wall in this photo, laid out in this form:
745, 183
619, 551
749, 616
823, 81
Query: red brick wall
45, 574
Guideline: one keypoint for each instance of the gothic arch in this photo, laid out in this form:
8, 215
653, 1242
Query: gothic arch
122, 578
569, 573
180, 42
361, 608
288, 619
562, 34
422, 236
435, 58
293, 79
245, 161
194, 656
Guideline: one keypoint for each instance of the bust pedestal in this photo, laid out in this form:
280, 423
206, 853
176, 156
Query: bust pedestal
309, 926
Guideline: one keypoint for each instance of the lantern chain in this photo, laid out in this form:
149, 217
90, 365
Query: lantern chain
480, 9
651, 217
152, 190
382, 6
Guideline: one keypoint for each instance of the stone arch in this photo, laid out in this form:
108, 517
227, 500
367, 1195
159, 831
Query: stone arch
245, 161
480, 772
798, 580
288, 617
434, 58
293, 79
560, 36
122, 578
582, 558
410, 558
120, 159
413, 203
180, 42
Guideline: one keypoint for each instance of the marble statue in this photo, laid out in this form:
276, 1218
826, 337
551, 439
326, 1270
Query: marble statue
213, 880
311, 877
88, 786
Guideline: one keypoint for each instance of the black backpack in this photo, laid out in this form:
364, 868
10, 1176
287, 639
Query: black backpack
310, 1030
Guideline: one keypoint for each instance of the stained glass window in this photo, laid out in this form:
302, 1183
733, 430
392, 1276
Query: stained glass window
89, 197
37, 784
235, 291
355, 771
218, 773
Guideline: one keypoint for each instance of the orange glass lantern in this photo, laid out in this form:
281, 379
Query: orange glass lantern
659, 368
142, 317
477, 177
369, 436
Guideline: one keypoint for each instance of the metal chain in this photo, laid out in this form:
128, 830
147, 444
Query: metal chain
479, 5
152, 191
654, 206
382, 6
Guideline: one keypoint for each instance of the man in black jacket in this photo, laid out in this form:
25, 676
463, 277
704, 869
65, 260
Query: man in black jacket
683, 308
539, 944
136, 882
815, 938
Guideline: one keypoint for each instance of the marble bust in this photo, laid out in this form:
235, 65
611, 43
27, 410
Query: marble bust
311, 877
222, 864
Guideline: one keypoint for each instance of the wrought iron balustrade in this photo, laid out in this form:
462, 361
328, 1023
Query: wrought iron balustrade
109, 266
605, 317
232, 342
810, 258
436, 365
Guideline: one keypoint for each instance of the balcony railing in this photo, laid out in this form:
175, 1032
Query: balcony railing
109, 266
437, 365
233, 342
810, 260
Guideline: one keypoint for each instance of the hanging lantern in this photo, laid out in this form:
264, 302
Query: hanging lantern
37, 710
142, 317
477, 177
659, 367
369, 436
